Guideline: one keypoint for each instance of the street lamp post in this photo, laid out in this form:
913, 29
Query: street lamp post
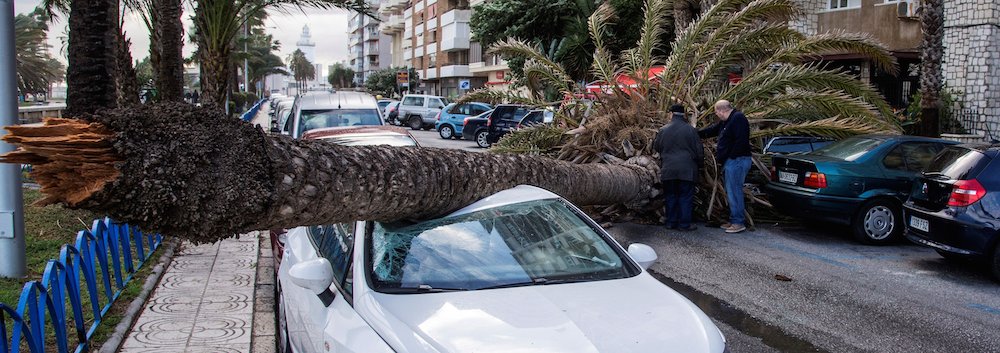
12, 263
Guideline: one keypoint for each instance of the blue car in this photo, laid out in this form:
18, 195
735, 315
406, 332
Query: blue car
954, 206
451, 119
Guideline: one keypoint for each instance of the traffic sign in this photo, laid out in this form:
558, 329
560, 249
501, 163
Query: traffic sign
464, 84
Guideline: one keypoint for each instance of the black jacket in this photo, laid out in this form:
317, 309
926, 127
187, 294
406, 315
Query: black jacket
681, 151
734, 137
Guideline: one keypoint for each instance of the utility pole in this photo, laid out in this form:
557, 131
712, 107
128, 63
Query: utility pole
12, 263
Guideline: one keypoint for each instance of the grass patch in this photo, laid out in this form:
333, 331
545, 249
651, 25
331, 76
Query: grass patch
46, 230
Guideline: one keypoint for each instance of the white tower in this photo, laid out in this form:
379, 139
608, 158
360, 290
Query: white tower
306, 45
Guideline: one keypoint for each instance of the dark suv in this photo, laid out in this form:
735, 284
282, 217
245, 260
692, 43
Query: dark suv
489, 129
955, 205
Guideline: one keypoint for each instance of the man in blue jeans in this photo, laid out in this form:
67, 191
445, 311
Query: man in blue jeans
733, 151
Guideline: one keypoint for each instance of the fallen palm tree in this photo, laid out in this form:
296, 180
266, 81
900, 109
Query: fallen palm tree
195, 173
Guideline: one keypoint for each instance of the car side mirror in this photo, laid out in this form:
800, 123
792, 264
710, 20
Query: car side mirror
643, 254
315, 275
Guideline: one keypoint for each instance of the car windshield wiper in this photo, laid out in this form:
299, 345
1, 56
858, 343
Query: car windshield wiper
534, 282
423, 288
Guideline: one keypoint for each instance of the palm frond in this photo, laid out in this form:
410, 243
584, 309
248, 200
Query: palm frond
512, 47
493, 96
838, 42
798, 106
753, 42
831, 127
538, 74
604, 67
656, 13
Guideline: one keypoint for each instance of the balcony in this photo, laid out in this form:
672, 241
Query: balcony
418, 6
431, 48
407, 55
492, 64
408, 13
418, 51
455, 31
429, 74
455, 71
393, 24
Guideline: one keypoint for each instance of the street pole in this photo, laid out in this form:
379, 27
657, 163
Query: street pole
12, 264
246, 62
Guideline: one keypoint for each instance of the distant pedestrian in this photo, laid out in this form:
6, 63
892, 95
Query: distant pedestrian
194, 97
733, 151
681, 155
187, 97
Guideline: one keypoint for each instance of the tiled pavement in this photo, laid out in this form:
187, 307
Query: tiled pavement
212, 298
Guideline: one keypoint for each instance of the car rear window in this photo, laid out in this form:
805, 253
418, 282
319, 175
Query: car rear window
318, 119
849, 149
955, 162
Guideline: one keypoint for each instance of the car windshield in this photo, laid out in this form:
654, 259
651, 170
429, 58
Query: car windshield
954, 162
317, 119
529, 243
849, 149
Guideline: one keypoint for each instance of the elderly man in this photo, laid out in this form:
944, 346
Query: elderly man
733, 152
681, 153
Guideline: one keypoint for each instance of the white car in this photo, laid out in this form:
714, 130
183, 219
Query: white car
520, 271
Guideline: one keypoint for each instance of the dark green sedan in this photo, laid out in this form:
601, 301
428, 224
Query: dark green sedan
860, 182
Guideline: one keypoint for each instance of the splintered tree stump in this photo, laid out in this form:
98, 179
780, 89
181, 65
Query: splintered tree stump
200, 175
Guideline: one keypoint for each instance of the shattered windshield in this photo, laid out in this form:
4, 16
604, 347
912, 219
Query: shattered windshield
529, 243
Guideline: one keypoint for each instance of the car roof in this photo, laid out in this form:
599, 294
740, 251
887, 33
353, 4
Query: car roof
517, 194
363, 135
337, 100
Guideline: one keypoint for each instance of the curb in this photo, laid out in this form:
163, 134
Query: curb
135, 307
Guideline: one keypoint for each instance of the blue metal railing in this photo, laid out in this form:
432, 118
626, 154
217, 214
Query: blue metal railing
250, 114
104, 258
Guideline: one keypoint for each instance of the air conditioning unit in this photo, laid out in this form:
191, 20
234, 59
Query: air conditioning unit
906, 9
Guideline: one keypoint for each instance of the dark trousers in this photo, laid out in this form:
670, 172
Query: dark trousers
679, 201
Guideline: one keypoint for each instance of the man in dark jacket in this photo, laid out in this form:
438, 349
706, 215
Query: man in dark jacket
681, 153
733, 152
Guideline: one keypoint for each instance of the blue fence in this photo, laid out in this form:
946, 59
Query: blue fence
250, 114
100, 264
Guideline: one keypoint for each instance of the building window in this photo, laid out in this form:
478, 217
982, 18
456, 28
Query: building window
844, 4
432, 60
434, 35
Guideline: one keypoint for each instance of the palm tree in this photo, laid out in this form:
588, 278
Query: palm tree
223, 176
169, 32
93, 65
219, 22
340, 76
302, 69
780, 91
36, 68
931, 55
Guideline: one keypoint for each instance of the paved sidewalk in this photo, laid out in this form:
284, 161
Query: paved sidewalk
206, 301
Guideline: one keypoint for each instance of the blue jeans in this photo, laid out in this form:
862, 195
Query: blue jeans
679, 201
736, 170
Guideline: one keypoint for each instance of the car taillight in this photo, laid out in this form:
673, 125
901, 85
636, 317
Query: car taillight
489, 120
814, 180
966, 192
438, 118
774, 173
466, 121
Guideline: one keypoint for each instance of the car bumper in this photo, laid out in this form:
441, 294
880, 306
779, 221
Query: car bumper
805, 203
949, 230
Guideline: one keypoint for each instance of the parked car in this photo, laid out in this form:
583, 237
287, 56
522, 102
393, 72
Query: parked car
348, 136
520, 271
382, 103
418, 111
451, 119
860, 181
536, 117
280, 114
316, 110
795, 144
497, 123
391, 113
955, 205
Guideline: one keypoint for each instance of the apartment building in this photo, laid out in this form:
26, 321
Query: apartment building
436, 42
972, 48
370, 49
490, 68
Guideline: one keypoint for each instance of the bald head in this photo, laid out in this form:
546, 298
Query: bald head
723, 108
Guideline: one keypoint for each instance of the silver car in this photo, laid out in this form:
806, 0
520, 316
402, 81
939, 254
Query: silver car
316, 110
419, 111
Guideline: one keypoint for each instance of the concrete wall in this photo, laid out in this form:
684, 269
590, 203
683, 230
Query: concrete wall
880, 20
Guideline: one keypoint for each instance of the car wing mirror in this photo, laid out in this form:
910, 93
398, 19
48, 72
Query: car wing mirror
315, 275
643, 254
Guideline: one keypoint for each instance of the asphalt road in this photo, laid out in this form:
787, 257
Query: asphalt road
835, 294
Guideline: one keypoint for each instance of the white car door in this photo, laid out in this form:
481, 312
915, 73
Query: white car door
329, 322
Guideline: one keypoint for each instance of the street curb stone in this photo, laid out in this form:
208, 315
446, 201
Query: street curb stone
135, 307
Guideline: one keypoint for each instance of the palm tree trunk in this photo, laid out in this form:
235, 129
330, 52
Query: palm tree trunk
214, 78
931, 54
93, 39
170, 32
128, 82
194, 173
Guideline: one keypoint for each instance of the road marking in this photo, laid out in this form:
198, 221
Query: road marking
984, 308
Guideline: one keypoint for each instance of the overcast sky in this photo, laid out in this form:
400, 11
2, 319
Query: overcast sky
329, 32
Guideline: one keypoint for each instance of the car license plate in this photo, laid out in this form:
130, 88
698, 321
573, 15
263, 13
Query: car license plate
786, 177
920, 224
